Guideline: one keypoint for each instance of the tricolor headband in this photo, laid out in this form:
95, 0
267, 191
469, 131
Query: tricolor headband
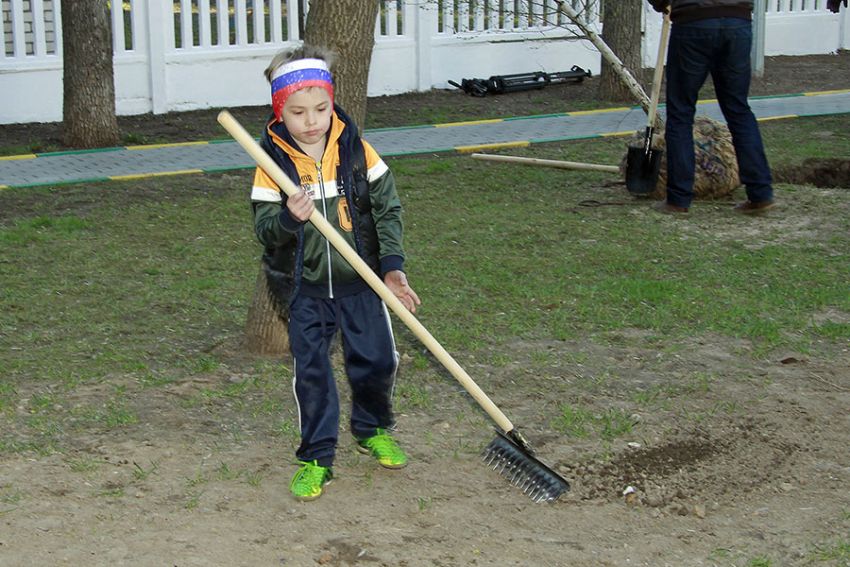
297, 75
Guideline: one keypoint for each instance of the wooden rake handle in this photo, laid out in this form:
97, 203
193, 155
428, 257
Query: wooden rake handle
346, 251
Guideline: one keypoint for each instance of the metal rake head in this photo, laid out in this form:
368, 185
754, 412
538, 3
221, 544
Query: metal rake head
513, 460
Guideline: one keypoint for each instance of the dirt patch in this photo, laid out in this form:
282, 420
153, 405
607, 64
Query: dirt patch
750, 464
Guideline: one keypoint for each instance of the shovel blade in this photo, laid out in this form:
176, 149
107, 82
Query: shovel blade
642, 169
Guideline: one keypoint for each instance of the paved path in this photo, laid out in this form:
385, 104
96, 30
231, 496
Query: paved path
199, 157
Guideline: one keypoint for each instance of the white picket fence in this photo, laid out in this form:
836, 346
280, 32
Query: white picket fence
173, 55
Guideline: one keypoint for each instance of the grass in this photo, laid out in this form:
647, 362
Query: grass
131, 284
581, 422
838, 551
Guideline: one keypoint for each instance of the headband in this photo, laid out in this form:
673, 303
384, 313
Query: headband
297, 75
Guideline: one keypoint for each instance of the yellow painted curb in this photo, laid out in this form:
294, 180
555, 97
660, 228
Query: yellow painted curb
174, 145
817, 93
470, 123
600, 111
22, 156
784, 116
465, 149
159, 174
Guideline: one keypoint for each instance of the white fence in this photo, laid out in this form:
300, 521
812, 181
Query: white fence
173, 55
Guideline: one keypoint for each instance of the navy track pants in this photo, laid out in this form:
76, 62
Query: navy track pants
371, 362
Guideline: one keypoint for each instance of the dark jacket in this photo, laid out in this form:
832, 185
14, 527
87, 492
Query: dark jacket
684, 11
355, 192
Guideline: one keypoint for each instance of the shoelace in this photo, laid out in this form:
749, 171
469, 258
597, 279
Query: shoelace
383, 443
311, 474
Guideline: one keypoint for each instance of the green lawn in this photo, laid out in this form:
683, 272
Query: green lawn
141, 279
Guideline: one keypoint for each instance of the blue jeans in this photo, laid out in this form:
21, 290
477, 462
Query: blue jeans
720, 46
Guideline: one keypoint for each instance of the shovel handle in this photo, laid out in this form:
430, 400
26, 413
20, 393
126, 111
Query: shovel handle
346, 251
659, 70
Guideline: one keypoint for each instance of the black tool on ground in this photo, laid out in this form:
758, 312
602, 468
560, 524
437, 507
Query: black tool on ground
510, 455
510, 450
643, 164
500, 84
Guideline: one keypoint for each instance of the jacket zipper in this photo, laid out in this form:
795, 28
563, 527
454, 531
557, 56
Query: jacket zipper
327, 242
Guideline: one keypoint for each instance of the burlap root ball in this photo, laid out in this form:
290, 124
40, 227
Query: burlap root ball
716, 172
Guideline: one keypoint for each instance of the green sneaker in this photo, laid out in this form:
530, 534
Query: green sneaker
308, 481
384, 448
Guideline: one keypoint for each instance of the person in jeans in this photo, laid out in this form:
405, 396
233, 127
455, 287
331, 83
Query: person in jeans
711, 37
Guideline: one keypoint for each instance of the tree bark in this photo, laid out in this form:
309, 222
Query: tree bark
608, 56
88, 82
348, 28
621, 32
266, 328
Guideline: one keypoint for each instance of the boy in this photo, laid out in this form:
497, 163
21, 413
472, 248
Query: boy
318, 147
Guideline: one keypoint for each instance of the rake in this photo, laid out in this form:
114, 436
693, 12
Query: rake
509, 453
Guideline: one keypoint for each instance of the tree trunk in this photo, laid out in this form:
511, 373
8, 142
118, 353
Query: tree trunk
621, 32
266, 328
348, 28
88, 82
609, 57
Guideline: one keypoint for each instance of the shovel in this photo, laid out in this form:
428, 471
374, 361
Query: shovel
644, 163
509, 452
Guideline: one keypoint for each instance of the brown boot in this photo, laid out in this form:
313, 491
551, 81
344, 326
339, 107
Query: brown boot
750, 208
668, 209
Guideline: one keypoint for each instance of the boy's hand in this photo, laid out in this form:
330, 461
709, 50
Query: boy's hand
397, 282
300, 206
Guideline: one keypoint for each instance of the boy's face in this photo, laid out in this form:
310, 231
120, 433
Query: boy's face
307, 115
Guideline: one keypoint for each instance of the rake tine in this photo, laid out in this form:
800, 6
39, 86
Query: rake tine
509, 455
518, 476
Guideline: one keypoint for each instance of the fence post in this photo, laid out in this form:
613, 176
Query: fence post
160, 19
19, 34
757, 52
425, 16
